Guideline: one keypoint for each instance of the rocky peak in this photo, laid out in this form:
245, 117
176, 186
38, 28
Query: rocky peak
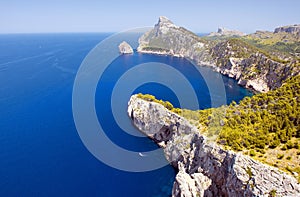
163, 19
221, 30
168, 39
164, 24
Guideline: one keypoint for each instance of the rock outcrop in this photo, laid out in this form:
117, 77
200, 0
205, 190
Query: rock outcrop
234, 58
204, 168
226, 32
125, 48
293, 29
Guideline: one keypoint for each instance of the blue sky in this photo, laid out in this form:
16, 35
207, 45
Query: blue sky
25, 16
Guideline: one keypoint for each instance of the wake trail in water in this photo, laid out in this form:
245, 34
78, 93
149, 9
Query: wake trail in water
30, 58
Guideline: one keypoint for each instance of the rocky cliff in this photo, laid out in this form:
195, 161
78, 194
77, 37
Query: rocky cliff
205, 169
233, 57
251, 68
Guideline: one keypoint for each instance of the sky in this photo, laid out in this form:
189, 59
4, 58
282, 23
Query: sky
42, 16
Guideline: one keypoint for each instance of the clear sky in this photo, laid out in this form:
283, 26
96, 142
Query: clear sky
25, 16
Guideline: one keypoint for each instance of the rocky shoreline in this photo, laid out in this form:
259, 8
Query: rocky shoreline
204, 168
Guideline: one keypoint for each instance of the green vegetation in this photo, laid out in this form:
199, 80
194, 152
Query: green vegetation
152, 98
156, 49
264, 121
284, 44
280, 156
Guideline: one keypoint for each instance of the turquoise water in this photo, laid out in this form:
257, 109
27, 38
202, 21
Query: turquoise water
41, 153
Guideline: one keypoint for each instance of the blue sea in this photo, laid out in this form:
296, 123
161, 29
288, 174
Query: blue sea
41, 153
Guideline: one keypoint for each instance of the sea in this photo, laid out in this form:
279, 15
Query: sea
41, 152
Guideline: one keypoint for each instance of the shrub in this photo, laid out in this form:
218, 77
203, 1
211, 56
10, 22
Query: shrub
274, 144
252, 153
289, 144
168, 105
280, 156
284, 147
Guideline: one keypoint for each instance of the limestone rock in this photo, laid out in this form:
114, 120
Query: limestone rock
125, 48
204, 168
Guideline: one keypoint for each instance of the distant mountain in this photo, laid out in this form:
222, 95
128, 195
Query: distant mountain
226, 33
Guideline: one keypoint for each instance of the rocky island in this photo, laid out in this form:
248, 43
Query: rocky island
125, 48
204, 168
253, 64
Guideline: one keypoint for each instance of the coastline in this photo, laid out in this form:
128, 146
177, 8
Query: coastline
207, 64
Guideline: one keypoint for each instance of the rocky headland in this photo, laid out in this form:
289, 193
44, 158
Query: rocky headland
205, 168
250, 66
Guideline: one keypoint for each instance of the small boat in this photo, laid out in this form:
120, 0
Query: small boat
141, 154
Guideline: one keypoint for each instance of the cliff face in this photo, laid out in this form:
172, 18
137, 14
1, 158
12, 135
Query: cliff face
205, 169
234, 58
293, 29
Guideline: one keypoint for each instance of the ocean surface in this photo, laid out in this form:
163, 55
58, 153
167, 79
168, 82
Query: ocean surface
41, 153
